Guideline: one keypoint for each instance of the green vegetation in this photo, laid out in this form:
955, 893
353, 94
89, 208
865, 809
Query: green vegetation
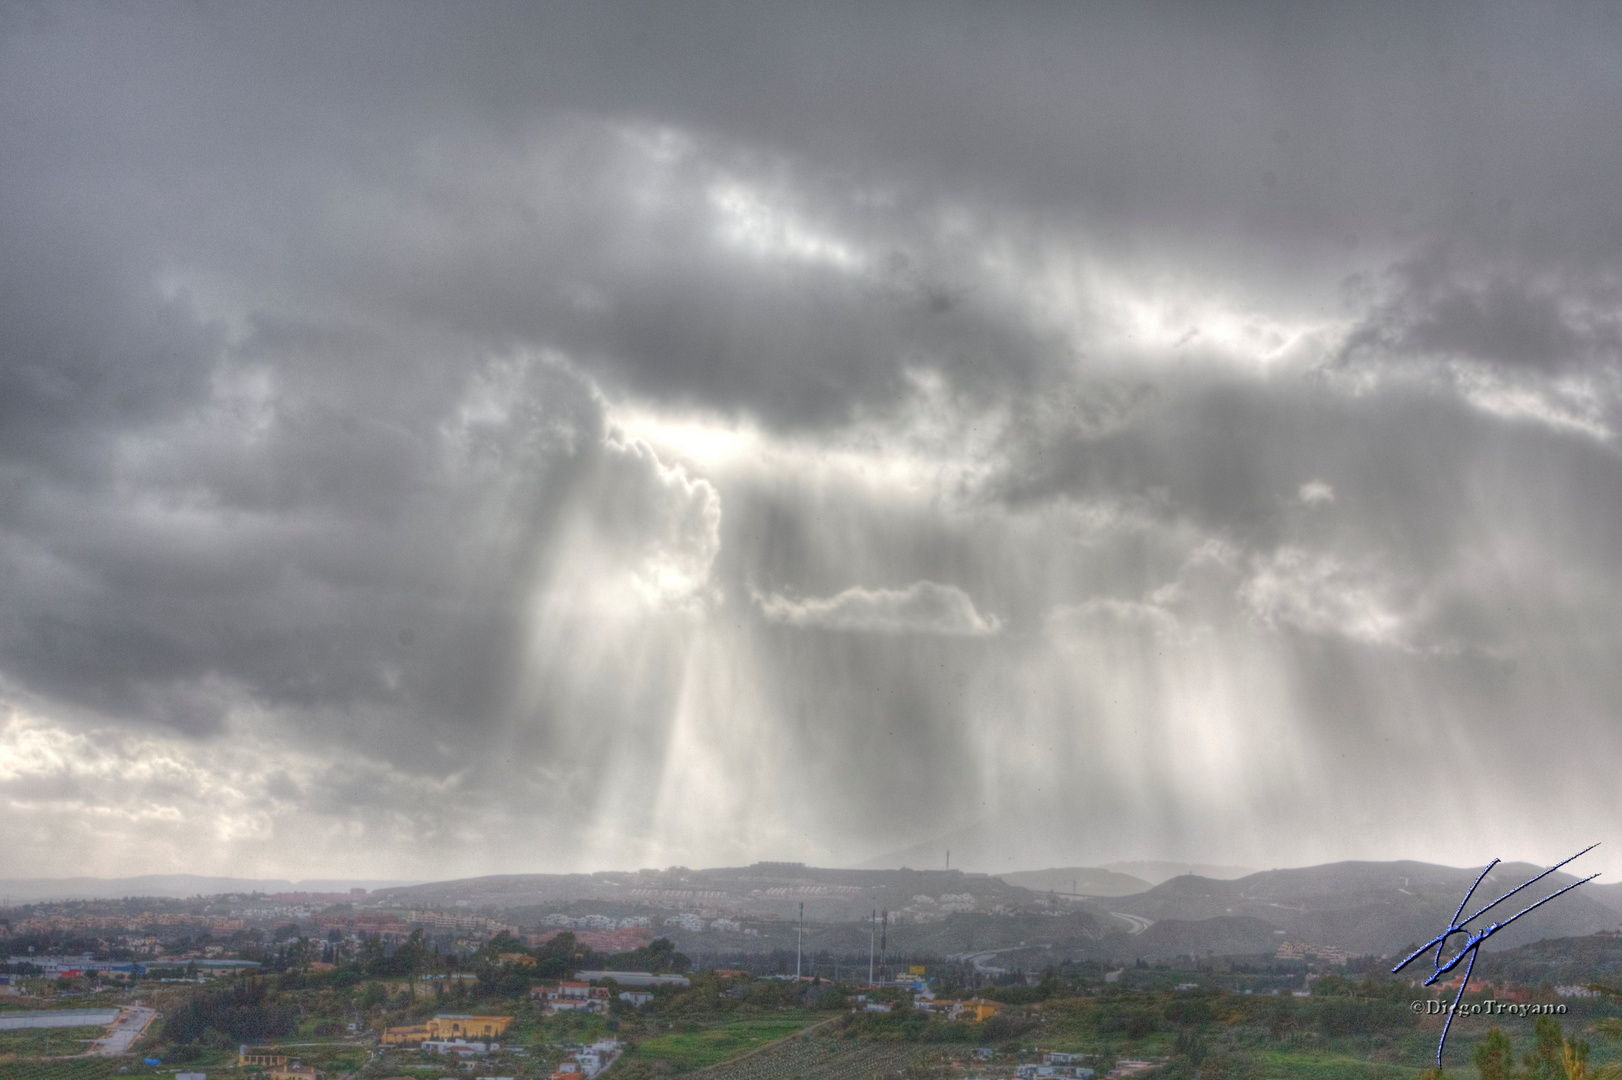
658, 956
47, 1042
826, 1059
243, 1013
743, 1028
77, 1069
691, 1049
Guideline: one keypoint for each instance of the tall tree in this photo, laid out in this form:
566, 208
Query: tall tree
1545, 1062
1574, 1060
1495, 1056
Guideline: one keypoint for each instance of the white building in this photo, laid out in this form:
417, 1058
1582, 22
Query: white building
634, 978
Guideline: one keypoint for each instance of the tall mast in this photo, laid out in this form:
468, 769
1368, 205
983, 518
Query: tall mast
872, 929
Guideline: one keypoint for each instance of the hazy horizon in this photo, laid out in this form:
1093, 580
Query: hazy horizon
441, 439
33, 889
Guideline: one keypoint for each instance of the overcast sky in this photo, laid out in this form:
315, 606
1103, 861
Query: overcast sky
451, 438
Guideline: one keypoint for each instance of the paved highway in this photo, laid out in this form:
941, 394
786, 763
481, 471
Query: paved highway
980, 959
131, 1024
1138, 923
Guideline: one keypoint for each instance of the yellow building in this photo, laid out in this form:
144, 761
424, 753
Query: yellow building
403, 1036
294, 1071
263, 1058
978, 1009
276, 1066
461, 1026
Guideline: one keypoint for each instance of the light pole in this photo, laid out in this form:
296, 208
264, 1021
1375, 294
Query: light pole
872, 928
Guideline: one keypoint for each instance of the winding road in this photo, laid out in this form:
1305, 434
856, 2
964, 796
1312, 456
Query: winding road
980, 959
1138, 923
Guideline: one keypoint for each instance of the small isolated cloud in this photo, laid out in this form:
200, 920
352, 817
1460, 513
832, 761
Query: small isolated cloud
1318, 594
1315, 493
923, 607
1108, 613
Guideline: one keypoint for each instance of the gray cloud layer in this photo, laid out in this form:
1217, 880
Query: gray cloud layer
443, 440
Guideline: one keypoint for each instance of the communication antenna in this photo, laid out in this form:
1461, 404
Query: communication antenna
884, 939
871, 928
948, 860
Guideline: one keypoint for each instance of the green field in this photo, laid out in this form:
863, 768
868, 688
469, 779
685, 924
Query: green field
48, 1042
823, 1059
329, 1057
1330, 1066
685, 1051
79, 1069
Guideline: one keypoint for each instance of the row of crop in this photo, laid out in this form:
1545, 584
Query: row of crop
817, 1059
73, 1069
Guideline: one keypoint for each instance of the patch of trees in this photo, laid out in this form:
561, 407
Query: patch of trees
1129, 1016
1194, 1058
1552, 1056
914, 1025
1049, 986
1189, 1012
244, 1013
658, 956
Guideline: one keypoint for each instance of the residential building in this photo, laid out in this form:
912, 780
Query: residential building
634, 978
572, 996
597, 1057
275, 1066
1301, 950
294, 1071
568, 990
977, 1010
462, 1026
570, 1005
265, 1059
625, 939
589, 1061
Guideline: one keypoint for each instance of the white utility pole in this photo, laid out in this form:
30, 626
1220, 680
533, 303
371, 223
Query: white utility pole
799, 936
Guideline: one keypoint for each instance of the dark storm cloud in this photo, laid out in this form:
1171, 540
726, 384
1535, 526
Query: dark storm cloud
1095, 381
1520, 317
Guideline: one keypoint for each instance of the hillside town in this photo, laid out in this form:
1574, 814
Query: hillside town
772, 967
